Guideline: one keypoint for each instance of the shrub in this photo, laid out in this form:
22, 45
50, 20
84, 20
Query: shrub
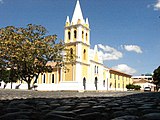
137, 87
131, 87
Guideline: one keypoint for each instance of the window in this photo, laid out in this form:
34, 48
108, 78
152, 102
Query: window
52, 78
110, 75
75, 34
110, 85
84, 54
118, 77
118, 85
97, 69
71, 53
104, 82
44, 78
86, 36
69, 35
114, 76
82, 34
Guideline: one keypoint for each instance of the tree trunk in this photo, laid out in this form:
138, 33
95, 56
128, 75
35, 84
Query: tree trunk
11, 85
29, 85
157, 88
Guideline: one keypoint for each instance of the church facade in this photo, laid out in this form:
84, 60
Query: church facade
87, 72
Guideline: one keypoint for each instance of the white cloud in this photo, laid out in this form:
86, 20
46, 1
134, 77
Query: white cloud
157, 5
134, 48
1, 2
125, 68
109, 53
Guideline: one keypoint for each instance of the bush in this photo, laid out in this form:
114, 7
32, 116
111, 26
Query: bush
137, 87
131, 87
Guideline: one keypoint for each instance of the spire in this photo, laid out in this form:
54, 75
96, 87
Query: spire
77, 15
87, 22
95, 48
67, 20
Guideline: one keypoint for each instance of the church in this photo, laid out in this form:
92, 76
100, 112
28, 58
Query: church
87, 72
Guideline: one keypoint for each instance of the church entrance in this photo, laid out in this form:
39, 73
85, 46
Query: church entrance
96, 83
84, 83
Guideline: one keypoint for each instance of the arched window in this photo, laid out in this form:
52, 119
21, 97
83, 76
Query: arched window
82, 34
71, 52
75, 34
84, 54
96, 83
95, 69
86, 36
69, 35
104, 82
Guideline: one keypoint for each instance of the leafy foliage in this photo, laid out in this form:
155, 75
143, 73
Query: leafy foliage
156, 77
131, 86
137, 87
27, 51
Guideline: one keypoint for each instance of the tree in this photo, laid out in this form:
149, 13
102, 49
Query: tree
156, 77
8, 76
28, 50
137, 87
131, 87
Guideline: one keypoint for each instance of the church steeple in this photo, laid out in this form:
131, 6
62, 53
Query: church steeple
77, 42
77, 15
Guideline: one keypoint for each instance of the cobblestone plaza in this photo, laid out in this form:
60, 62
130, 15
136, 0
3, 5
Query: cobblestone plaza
36, 105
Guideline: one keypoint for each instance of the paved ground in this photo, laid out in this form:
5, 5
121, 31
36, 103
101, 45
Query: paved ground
35, 105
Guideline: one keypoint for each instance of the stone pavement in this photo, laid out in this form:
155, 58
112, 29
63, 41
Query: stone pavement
36, 105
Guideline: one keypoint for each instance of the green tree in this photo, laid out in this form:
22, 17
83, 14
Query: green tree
137, 87
28, 50
156, 77
8, 76
130, 86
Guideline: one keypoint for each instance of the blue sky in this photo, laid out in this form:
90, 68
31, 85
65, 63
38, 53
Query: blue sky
127, 32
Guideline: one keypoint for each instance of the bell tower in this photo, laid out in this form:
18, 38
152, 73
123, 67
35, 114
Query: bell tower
77, 40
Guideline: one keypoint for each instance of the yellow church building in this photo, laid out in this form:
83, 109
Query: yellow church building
87, 72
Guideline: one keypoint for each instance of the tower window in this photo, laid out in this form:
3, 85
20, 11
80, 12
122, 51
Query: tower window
71, 52
82, 34
86, 36
84, 54
69, 35
75, 34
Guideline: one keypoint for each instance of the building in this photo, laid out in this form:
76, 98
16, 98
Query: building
144, 81
87, 72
